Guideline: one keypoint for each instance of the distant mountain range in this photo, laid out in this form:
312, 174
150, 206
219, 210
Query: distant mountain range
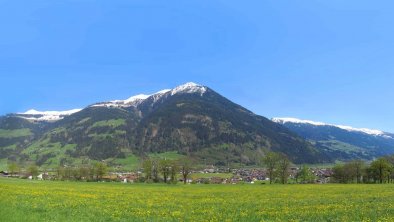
342, 142
190, 119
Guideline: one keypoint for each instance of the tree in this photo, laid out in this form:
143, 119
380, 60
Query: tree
147, 165
155, 170
340, 174
60, 172
283, 168
380, 169
83, 172
101, 170
92, 172
13, 168
270, 161
68, 172
186, 168
305, 175
173, 172
165, 168
390, 159
356, 169
33, 170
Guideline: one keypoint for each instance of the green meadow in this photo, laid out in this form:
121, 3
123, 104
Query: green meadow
24, 200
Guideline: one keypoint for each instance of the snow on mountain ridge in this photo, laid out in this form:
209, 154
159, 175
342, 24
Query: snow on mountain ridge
189, 87
46, 115
136, 98
35, 112
348, 128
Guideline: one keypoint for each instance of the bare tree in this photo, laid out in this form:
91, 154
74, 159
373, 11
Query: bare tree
186, 168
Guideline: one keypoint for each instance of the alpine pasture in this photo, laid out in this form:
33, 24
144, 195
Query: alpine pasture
24, 200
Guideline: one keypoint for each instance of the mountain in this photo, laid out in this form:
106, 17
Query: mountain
342, 142
190, 119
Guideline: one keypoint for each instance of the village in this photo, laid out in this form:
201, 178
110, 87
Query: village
208, 175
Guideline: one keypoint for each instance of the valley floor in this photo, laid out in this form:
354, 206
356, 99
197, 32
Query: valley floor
23, 200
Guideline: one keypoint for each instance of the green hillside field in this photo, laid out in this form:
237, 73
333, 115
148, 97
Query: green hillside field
24, 200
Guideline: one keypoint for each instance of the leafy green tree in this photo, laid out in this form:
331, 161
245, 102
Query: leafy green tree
165, 169
83, 172
305, 175
355, 169
33, 170
380, 169
13, 168
270, 161
390, 159
60, 172
339, 173
147, 165
101, 170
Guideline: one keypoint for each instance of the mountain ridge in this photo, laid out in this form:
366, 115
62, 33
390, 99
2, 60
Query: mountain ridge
342, 142
190, 119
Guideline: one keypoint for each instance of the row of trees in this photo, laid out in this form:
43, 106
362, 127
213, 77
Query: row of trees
278, 166
157, 170
357, 171
15, 169
83, 172
87, 172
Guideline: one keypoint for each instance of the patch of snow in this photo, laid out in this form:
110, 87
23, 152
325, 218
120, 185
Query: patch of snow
294, 120
348, 128
46, 115
136, 98
162, 91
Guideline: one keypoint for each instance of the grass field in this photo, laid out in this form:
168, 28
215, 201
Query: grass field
22, 200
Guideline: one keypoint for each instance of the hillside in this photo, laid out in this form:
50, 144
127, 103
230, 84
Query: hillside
190, 119
342, 142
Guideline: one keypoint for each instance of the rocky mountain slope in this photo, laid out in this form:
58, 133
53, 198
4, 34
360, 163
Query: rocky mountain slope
190, 119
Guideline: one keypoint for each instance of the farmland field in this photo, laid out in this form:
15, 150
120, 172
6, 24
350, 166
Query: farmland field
23, 200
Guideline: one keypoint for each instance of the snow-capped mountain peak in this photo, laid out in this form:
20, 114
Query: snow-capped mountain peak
189, 87
46, 115
348, 128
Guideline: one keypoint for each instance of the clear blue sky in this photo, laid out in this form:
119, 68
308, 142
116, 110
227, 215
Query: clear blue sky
329, 61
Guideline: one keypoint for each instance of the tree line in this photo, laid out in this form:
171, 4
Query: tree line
86, 172
166, 171
277, 167
380, 170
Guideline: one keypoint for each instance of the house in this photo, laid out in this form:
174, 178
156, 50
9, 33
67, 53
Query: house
4, 174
